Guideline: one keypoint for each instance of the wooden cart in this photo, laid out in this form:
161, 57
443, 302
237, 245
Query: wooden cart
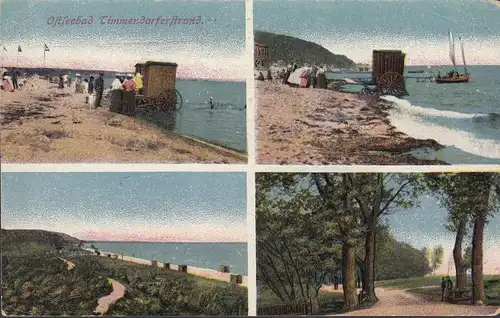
159, 89
387, 73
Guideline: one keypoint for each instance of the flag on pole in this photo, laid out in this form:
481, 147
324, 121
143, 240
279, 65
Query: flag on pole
46, 48
4, 49
19, 48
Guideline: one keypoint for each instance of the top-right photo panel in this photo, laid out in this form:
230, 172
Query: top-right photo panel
377, 82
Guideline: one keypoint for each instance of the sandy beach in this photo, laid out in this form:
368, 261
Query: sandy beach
191, 270
314, 126
42, 124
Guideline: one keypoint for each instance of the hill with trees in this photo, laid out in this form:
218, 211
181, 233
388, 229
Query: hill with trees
289, 49
39, 237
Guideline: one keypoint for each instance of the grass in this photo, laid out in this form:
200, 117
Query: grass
429, 287
156, 291
37, 282
329, 302
409, 283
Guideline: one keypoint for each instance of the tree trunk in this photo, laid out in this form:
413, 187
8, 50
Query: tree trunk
477, 260
369, 272
349, 284
460, 271
314, 305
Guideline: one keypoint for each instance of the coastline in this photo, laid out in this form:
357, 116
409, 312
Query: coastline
42, 124
316, 126
191, 270
496, 2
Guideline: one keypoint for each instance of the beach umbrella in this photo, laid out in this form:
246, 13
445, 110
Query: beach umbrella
295, 76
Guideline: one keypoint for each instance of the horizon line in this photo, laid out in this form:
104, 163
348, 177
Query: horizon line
187, 242
125, 72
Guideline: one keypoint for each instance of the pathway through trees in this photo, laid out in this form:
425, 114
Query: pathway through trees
395, 302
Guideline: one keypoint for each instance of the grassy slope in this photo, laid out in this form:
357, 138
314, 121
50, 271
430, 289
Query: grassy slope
291, 49
429, 287
155, 291
36, 281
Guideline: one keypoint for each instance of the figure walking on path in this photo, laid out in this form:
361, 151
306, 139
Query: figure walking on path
14, 78
99, 89
443, 288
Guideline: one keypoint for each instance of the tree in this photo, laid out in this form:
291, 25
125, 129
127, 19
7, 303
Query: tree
449, 189
467, 261
293, 254
469, 198
377, 195
437, 257
344, 219
485, 199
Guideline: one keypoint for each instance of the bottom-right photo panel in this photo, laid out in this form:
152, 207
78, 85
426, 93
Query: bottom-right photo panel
372, 244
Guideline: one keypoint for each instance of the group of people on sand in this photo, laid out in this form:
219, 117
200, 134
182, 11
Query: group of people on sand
310, 76
10, 81
123, 92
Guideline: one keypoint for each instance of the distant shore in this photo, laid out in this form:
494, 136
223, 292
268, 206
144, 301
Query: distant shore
317, 126
191, 270
42, 124
496, 2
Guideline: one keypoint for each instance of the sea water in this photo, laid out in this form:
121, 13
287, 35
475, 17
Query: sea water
465, 117
224, 124
202, 255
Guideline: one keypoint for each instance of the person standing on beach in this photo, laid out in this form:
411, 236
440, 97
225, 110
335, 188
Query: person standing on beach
314, 75
61, 81
14, 78
99, 89
91, 85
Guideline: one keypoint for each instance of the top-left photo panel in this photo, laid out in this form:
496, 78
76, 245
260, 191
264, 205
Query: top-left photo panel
123, 81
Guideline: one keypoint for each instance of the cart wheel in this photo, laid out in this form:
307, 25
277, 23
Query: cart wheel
178, 100
169, 99
392, 83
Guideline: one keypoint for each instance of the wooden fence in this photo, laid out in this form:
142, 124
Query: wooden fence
300, 308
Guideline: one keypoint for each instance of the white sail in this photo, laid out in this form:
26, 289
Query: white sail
452, 48
463, 51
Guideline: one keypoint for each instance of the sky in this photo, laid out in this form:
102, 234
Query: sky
423, 226
156, 207
211, 47
417, 27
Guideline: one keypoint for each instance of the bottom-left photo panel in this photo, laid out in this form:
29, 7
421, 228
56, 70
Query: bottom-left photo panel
124, 244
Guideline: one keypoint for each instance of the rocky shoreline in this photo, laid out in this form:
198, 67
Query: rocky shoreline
315, 126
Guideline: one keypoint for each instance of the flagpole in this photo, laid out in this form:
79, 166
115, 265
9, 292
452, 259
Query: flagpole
44, 59
17, 60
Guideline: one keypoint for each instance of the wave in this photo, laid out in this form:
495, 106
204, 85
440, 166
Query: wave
410, 119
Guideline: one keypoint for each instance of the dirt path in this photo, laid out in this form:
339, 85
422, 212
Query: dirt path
71, 265
48, 125
397, 302
104, 302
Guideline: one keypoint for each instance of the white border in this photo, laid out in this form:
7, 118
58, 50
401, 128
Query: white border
251, 151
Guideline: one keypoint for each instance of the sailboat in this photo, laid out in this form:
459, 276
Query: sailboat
453, 76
